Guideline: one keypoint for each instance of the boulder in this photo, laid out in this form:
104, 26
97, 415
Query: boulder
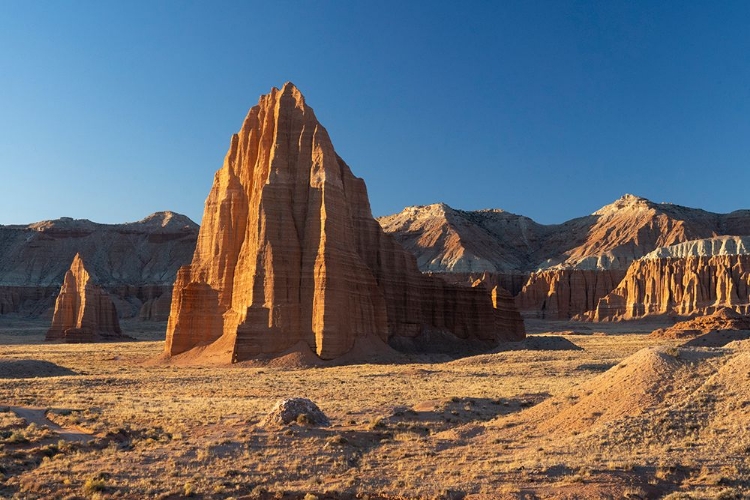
299, 410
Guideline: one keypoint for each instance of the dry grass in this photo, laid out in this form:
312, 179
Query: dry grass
430, 430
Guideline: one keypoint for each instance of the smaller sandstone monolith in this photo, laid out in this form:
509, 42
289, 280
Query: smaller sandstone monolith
84, 312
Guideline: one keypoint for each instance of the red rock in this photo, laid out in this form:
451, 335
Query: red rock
83, 311
289, 252
565, 293
680, 286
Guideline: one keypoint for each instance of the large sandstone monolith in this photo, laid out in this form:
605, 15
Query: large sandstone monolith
84, 312
289, 251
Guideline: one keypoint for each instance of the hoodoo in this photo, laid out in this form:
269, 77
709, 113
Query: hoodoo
289, 252
84, 312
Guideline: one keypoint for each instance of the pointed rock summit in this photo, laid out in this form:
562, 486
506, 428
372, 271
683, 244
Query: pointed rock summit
84, 312
289, 252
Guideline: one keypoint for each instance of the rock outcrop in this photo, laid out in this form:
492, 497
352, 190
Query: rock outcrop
565, 293
83, 311
507, 317
720, 245
679, 286
723, 319
289, 251
444, 239
136, 262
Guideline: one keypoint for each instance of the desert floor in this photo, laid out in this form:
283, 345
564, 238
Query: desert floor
560, 416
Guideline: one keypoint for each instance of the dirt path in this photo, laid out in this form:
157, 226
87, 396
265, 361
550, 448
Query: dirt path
38, 416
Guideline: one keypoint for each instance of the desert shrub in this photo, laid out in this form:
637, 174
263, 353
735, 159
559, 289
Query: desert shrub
92, 485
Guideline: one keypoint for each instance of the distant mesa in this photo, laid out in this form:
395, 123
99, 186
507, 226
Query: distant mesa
289, 252
84, 312
136, 262
681, 286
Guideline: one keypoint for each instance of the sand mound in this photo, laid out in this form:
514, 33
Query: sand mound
365, 350
370, 349
730, 414
718, 338
630, 388
539, 343
31, 368
738, 345
722, 320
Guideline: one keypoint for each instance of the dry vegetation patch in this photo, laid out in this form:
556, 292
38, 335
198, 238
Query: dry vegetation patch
530, 423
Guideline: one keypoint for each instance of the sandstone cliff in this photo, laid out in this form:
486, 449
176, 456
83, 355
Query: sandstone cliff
136, 262
288, 251
83, 311
565, 293
681, 286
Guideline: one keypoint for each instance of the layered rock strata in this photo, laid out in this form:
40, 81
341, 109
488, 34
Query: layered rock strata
136, 262
507, 317
680, 286
289, 251
83, 311
722, 320
565, 293
445, 239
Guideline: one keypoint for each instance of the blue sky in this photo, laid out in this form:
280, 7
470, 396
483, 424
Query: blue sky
113, 110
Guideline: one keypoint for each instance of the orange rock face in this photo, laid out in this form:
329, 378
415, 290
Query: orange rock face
289, 251
722, 320
564, 293
83, 311
682, 286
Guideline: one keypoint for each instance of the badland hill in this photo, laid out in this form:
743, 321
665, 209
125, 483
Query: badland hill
668, 252
136, 262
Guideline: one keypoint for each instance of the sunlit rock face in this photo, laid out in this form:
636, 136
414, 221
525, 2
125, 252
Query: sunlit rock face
84, 312
682, 286
288, 251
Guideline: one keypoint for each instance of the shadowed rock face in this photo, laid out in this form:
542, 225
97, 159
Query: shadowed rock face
565, 293
83, 311
289, 251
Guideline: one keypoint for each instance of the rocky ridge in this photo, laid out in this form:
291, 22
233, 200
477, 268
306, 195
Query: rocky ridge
568, 267
448, 240
136, 262
289, 252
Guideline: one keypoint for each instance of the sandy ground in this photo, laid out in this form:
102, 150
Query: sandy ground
558, 416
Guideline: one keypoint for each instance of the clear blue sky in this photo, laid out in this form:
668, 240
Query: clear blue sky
113, 110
